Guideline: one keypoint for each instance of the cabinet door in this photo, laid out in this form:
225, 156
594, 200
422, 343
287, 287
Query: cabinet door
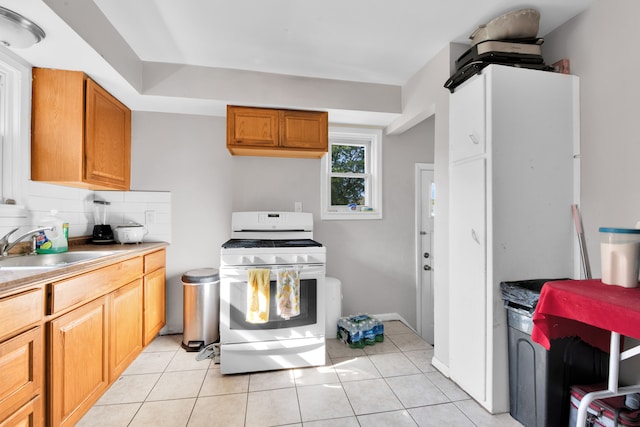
467, 123
468, 289
21, 370
154, 304
78, 362
126, 327
107, 139
304, 129
252, 127
57, 125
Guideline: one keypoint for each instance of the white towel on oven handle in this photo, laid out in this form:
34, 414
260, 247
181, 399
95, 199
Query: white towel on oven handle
258, 295
288, 291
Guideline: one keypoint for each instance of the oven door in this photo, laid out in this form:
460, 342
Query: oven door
234, 294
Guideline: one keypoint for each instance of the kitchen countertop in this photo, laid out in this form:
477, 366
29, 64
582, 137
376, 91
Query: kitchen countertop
12, 280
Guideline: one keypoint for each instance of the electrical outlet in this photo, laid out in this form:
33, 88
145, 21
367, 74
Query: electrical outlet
149, 217
298, 206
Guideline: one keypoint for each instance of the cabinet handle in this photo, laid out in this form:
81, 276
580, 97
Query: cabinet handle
473, 139
474, 236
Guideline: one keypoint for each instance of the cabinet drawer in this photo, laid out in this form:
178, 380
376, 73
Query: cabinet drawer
19, 311
467, 121
154, 261
20, 370
88, 286
31, 414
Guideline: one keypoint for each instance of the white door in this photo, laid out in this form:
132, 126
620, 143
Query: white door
468, 323
425, 200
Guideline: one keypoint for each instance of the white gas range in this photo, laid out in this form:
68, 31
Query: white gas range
272, 296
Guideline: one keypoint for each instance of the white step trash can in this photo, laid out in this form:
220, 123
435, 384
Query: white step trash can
201, 315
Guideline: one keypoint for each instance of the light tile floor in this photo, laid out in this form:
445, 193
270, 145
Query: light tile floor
388, 384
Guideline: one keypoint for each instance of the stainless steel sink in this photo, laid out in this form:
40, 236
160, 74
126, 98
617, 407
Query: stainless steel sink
49, 261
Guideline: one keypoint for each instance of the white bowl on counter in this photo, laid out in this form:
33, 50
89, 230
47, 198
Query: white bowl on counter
129, 233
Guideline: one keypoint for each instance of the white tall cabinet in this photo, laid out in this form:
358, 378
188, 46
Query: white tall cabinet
514, 141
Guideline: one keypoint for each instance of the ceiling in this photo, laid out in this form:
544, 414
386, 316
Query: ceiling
368, 41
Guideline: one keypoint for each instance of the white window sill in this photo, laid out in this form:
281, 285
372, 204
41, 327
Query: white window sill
349, 215
12, 211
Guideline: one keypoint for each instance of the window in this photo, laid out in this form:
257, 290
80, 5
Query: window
351, 186
15, 92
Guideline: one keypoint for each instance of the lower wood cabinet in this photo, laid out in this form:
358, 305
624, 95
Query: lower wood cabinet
154, 294
64, 343
154, 304
21, 379
78, 361
126, 328
90, 347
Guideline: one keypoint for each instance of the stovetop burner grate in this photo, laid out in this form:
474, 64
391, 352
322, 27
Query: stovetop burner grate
269, 243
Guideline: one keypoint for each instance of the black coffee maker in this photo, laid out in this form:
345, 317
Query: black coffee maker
102, 232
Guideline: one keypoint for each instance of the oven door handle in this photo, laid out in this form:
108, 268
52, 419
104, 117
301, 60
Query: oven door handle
304, 269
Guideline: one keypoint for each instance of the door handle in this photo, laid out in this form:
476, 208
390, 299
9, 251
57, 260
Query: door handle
427, 267
474, 236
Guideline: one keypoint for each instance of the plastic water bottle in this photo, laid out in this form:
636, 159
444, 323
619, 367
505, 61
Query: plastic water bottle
357, 340
378, 330
369, 334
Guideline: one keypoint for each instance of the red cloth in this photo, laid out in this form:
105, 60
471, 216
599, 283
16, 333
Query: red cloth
588, 309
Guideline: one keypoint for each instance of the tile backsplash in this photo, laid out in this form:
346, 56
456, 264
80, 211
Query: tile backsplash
149, 208
74, 205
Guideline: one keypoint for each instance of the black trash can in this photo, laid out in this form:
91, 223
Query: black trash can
539, 380
201, 315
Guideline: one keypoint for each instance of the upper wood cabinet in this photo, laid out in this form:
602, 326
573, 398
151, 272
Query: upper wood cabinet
81, 134
276, 133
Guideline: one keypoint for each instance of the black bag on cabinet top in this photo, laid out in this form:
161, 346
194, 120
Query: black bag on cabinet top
473, 68
526, 51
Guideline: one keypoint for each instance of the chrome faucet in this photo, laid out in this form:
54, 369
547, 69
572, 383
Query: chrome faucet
5, 246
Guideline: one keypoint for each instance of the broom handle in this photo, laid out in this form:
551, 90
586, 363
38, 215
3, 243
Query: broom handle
583, 244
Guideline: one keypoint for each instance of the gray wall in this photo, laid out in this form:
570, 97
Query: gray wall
375, 260
187, 156
601, 54
609, 93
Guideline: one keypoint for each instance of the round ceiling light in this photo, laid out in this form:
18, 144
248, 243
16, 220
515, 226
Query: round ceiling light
18, 32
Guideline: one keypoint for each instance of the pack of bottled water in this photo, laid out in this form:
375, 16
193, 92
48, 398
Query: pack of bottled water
360, 330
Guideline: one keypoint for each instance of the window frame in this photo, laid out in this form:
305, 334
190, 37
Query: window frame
15, 122
373, 173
